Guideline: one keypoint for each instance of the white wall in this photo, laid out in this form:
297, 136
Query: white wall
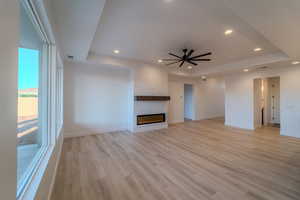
290, 102
188, 102
211, 98
9, 23
208, 98
239, 110
150, 80
176, 106
96, 99
239, 101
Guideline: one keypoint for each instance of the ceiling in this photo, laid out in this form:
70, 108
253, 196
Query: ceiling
146, 31
76, 22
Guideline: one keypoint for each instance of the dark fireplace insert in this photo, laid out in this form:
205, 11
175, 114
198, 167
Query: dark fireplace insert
151, 119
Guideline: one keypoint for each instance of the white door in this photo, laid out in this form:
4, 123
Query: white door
275, 100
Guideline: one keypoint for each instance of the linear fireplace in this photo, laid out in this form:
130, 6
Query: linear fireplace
151, 119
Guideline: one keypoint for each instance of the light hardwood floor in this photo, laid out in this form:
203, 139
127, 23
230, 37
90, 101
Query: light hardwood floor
189, 161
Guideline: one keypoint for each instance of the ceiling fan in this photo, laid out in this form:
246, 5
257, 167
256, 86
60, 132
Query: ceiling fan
187, 57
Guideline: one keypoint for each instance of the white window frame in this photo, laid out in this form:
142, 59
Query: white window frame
59, 100
47, 99
59, 96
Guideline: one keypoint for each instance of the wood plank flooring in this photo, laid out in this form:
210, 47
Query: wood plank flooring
189, 161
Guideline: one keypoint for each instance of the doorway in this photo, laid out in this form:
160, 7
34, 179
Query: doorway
188, 102
267, 102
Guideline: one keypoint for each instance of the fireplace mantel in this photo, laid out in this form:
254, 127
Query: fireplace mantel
152, 98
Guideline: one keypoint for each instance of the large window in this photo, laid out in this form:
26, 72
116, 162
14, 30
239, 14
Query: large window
29, 134
39, 100
30, 109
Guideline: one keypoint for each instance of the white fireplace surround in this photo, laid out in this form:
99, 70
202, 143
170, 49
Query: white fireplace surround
148, 81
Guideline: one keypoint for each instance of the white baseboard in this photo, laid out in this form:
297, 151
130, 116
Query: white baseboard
237, 127
72, 133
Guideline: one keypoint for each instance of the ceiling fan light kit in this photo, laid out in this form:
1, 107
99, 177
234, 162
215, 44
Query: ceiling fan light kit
187, 57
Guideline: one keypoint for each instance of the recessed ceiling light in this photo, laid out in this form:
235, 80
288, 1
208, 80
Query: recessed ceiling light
295, 62
116, 51
257, 49
160, 61
190, 67
246, 70
228, 32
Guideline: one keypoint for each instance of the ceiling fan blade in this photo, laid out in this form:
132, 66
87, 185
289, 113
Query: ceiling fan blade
185, 51
181, 63
173, 59
173, 63
201, 59
193, 63
171, 54
206, 54
190, 53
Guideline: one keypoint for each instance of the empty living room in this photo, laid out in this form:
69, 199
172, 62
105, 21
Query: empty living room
150, 100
